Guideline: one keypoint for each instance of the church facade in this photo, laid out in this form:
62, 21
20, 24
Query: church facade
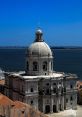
40, 86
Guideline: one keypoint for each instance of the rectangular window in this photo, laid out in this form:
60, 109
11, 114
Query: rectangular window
71, 98
71, 86
31, 89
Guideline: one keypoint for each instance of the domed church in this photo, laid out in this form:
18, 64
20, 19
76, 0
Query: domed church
41, 87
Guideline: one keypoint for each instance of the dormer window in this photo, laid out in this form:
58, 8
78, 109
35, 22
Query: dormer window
45, 66
35, 66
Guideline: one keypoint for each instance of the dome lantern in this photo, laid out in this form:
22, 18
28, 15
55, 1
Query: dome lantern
39, 36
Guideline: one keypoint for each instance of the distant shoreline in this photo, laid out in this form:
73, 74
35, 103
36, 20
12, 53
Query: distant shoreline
67, 48
52, 47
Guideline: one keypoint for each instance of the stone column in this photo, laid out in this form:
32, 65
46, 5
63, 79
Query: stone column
62, 103
43, 105
51, 105
57, 104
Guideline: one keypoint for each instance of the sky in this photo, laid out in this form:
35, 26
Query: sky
60, 21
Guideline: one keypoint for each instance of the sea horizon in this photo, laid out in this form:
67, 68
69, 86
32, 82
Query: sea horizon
52, 47
65, 59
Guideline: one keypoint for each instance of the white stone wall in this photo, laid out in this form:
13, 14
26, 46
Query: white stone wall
31, 84
33, 101
71, 94
40, 61
29, 87
31, 93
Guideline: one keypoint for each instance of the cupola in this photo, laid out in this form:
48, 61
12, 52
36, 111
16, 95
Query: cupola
39, 60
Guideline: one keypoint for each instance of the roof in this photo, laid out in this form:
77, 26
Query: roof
70, 76
79, 85
17, 108
4, 100
54, 75
2, 82
1, 74
39, 49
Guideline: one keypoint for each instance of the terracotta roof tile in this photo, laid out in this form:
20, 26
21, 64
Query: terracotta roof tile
4, 100
79, 85
17, 108
19, 104
2, 82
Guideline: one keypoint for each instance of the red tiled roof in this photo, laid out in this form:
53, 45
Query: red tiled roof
2, 82
4, 100
79, 85
17, 108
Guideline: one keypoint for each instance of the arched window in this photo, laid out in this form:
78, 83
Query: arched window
35, 66
27, 66
47, 91
45, 66
54, 90
54, 83
47, 84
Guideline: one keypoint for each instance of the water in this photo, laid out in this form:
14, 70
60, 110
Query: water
12, 59
69, 61
65, 60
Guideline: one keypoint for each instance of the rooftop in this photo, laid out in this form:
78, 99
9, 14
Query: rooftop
79, 85
54, 75
2, 82
4, 101
24, 76
1, 74
14, 108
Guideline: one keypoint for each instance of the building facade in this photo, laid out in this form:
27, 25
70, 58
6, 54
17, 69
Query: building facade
39, 85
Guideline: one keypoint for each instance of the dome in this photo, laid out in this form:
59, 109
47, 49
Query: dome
39, 49
39, 59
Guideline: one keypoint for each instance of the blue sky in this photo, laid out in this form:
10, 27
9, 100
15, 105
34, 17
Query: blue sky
60, 20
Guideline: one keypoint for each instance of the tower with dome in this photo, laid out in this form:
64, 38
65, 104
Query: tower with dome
41, 87
39, 59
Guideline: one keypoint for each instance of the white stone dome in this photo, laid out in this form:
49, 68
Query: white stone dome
39, 60
39, 49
